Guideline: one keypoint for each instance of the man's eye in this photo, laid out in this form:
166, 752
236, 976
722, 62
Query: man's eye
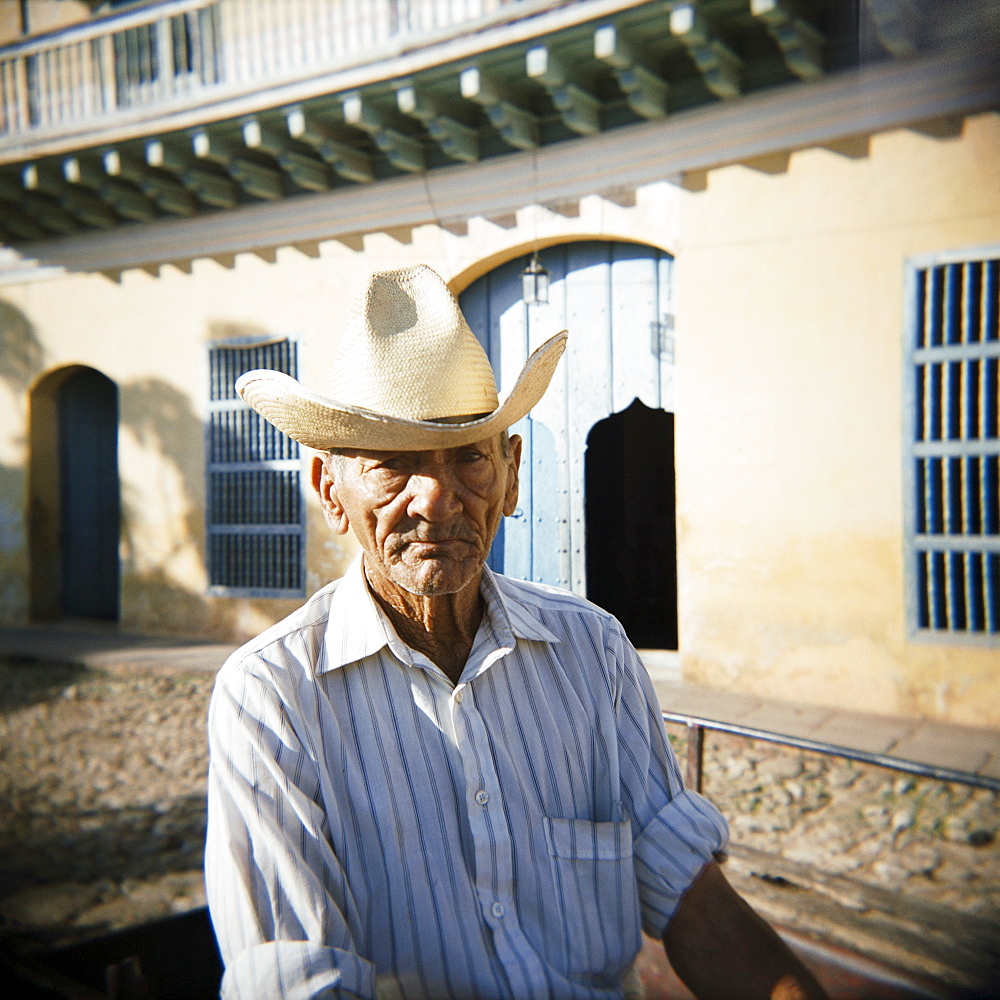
472, 456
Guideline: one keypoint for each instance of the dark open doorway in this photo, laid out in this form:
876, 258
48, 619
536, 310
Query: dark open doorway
89, 496
631, 523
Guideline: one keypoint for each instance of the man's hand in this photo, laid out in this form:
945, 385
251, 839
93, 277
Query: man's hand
722, 950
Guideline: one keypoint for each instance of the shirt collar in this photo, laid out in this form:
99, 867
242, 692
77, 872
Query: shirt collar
357, 627
504, 610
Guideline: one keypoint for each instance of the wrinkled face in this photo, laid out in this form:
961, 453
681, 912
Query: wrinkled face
425, 519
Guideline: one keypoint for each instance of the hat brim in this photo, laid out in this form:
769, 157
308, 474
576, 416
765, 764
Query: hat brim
324, 424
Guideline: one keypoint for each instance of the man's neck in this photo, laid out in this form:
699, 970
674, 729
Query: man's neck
442, 628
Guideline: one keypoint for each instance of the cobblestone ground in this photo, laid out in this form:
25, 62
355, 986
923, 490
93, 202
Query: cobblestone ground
103, 782
925, 839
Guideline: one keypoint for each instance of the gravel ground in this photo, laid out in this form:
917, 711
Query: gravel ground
103, 777
104, 780
925, 839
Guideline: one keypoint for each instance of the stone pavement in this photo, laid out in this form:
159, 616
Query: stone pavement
101, 647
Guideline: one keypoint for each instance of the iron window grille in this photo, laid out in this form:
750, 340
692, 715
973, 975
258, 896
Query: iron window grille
254, 509
953, 461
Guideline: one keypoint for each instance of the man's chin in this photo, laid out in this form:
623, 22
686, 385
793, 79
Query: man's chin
436, 577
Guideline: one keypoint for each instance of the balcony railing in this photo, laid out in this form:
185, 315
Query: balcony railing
173, 54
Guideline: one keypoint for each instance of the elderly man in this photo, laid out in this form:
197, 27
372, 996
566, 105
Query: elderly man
433, 781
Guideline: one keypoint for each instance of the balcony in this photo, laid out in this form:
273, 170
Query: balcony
168, 111
158, 59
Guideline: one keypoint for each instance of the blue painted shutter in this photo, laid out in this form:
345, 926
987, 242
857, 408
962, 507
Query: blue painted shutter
255, 519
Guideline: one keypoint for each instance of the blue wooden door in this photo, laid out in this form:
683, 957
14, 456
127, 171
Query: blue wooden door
616, 301
89, 494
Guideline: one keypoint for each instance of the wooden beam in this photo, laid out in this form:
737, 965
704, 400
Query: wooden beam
304, 170
517, 127
898, 25
579, 109
878, 98
505, 27
18, 223
166, 193
718, 64
122, 197
800, 43
403, 151
645, 92
208, 186
39, 208
457, 140
346, 161
83, 204
256, 179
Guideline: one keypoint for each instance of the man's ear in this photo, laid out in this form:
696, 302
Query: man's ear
513, 476
326, 489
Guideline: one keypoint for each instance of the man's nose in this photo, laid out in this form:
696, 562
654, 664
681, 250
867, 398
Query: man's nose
434, 496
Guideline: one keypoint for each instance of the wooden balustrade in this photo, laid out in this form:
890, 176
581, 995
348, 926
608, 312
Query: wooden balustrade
176, 53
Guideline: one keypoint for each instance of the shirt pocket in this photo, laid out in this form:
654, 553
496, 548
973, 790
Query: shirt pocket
598, 931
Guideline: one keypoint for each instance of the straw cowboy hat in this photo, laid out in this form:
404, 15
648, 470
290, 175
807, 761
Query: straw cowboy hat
410, 376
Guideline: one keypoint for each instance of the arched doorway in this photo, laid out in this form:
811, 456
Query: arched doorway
75, 507
631, 523
616, 300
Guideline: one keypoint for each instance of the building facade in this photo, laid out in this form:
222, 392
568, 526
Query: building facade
772, 230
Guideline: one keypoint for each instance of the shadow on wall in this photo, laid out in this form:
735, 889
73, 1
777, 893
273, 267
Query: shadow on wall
160, 417
162, 420
22, 356
13, 544
22, 359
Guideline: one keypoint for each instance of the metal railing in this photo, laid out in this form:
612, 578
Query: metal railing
165, 55
694, 762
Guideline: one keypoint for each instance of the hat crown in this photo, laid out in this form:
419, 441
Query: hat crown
407, 351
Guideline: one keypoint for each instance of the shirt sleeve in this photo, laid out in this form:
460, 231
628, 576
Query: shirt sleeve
676, 832
276, 891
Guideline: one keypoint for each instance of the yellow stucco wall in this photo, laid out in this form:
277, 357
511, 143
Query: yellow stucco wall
43, 15
150, 335
789, 451
789, 426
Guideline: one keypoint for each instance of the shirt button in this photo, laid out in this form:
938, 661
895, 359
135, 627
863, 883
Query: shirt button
482, 796
498, 910
459, 695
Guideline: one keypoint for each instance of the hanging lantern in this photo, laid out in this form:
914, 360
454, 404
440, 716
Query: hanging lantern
535, 282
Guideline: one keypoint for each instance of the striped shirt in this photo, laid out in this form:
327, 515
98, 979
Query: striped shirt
375, 830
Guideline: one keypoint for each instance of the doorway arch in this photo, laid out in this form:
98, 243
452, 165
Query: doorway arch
631, 523
75, 496
616, 300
